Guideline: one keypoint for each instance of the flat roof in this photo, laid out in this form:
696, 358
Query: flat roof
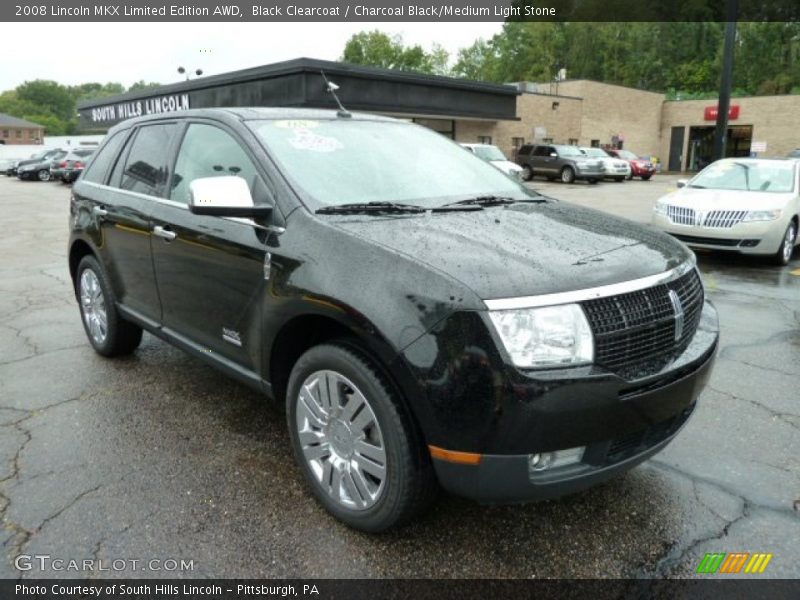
298, 83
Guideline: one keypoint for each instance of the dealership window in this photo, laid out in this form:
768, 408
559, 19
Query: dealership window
31, 134
573, 141
484, 139
517, 142
146, 166
595, 144
19, 133
5, 133
207, 151
547, 140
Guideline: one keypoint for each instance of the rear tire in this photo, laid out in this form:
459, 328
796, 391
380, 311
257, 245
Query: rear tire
567, 175
785, 250
619, 179
108, 333
328, 438
629, 176
593, 181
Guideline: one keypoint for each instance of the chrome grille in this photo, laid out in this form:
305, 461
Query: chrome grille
724, 219
680, 215
635, 333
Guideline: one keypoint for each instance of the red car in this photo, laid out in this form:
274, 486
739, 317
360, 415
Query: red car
640, 167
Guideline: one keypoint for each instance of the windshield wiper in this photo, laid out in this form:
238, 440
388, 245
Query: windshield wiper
370, 207
491, 200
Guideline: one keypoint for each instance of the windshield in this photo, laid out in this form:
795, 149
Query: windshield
569, 151
343, 161
747, 176
489, 152
594, 152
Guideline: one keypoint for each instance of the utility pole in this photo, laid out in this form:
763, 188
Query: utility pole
726, 81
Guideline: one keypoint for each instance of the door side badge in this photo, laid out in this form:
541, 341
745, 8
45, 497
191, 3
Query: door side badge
232, 336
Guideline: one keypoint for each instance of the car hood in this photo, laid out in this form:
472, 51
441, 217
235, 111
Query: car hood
705, 199
525, 249
506, 166
33, 164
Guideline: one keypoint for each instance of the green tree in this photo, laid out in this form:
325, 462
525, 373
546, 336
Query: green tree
142, 85
377, 49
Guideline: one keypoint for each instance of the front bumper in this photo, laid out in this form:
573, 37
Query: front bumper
638, 171
589, 173
757, 237
503, 416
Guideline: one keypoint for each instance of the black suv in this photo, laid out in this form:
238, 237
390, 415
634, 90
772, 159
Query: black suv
424, 319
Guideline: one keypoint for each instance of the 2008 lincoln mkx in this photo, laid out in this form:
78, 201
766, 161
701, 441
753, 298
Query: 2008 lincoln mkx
427, 321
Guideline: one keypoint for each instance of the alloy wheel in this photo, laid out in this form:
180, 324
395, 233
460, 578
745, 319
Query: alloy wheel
93, 306
341, 440
44, 175
788, 242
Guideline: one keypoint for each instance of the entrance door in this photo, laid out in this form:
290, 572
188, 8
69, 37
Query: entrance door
676, 149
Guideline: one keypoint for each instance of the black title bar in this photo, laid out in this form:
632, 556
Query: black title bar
395, 10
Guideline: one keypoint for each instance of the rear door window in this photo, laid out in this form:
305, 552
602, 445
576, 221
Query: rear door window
146, 167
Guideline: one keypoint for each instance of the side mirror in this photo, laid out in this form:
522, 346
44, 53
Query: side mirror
682, 182
227, 196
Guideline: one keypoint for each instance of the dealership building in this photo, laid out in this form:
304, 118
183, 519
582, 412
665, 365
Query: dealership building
583, 112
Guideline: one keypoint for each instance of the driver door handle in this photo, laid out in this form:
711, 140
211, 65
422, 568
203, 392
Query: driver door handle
164, 233
99, 211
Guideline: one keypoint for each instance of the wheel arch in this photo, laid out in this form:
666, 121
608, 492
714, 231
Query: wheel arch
77, 250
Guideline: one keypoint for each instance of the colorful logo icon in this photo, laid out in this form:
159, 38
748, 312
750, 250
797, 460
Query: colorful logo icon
735, 562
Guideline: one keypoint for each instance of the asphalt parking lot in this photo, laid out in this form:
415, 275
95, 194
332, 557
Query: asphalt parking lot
156, 456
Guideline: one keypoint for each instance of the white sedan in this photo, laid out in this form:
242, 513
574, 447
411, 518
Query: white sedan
495, 157
746, 205
615, 168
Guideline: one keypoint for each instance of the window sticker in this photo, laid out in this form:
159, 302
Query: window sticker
297, 124
305, 139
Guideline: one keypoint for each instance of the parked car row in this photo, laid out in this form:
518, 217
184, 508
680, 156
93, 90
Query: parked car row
55, 164
573, 163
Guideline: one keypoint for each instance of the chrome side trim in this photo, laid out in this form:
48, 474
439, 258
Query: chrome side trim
613, 289
182, 206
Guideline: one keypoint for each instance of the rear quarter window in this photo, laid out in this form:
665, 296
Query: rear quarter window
98, 168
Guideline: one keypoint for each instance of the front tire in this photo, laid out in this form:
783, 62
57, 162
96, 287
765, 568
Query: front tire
43, 175
629, 176
646, 177
527, 173
108, 333
358, 448
593, 181
784, 253
567, 175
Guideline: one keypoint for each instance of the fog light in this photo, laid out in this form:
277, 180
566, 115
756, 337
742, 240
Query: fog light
553, 460
540, 462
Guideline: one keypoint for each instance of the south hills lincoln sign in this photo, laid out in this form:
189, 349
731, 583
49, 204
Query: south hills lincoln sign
111, 113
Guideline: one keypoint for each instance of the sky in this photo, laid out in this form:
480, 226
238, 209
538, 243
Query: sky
129, 52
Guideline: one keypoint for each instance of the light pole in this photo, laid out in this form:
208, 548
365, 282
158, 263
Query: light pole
721, 132
182, 71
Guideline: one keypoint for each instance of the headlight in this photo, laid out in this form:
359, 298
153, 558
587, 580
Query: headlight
762, 215
661, 208
551, 336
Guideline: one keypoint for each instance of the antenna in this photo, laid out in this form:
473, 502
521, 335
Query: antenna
331, 88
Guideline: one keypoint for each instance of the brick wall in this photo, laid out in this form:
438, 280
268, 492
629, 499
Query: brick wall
18, 136
775, 120
613, 110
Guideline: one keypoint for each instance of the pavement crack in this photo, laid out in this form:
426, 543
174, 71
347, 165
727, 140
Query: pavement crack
784, 417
